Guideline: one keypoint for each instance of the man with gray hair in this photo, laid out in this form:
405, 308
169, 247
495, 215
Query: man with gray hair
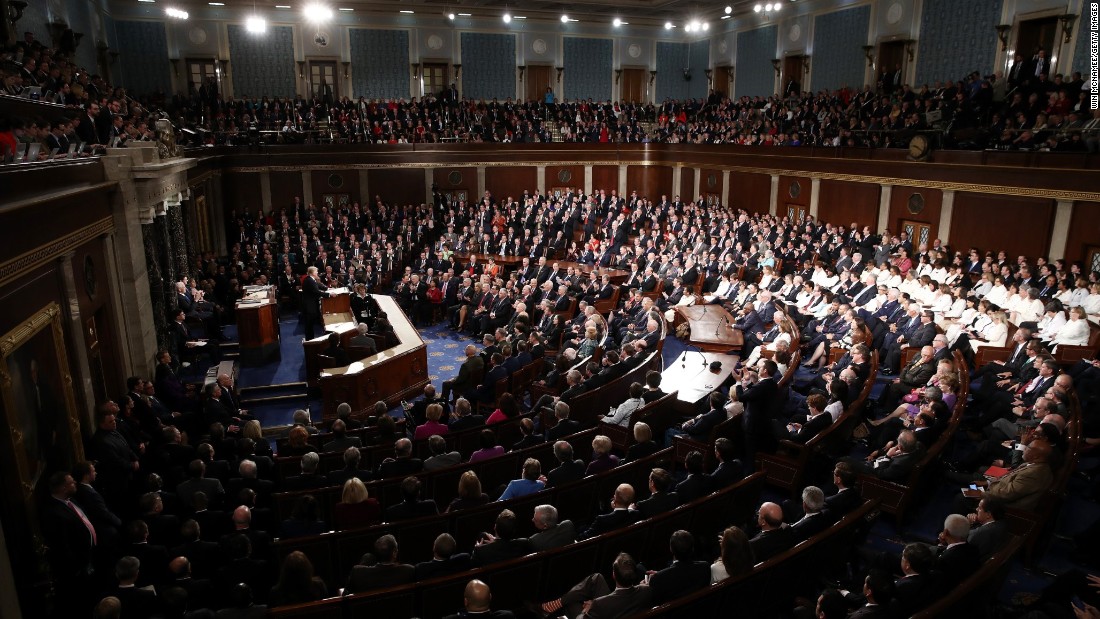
815, 520
565, 426
404, 464
569, 469
363, 340
136, 602
552, 534
956, 559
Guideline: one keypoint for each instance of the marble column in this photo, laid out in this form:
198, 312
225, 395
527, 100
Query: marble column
540, 178
887, 191
587, 180
265, 191
307, 187
622, 181
815, 197
947, 209
1059, 235
480, 185
677, 180
773, 196
82, 378
364, 188
429, 199
726, 191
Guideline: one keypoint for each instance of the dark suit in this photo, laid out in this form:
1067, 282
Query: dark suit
566, 472
759, 403
810, 525
767, 544
465, 383
560, 535
680, 578
500, 550
657, 503
426, 570
912, 593
844, 501
407, 510
312, 293
69, 541
564, 428
725, 474
365, 578
692, 487
616, 519
956, 563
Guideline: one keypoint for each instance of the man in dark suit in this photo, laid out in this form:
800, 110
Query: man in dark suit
699, 427
386, 572
759, 401
552, 534
916, 588
817, 421
729, 470
619, 516
684, 575
956, 559
464, 417
476, 600
312, 293
565, 426
530, 437
403, 464
814, 519
411, 505
200, 591
363, 340
486, 391
136, 602
878, 590
469, 375
197, 482
847, 496
774, 536
70, 536
913, 376
696, 484
568, 470
444, 560
898, 461
340, 439
502, 544
661, 499
593, 597
87, 498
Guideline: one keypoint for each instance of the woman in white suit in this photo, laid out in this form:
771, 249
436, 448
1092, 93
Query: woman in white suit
1075, 332
994, 334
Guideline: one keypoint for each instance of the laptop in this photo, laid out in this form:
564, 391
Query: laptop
72, 149
53, 153
32, 153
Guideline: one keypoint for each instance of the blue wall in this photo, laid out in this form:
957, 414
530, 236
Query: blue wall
955, 39
380, 63
672, 59
754, 74
1080, 51
488, 65
588, 70
262, 65
838, 58
143, 57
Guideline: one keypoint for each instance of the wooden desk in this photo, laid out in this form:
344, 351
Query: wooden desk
393, 374
336, 309
692, 378
711, 327
258, 327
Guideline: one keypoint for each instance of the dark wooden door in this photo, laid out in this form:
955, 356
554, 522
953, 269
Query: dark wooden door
537, 80
792, 72
634, 86
1036, 34
891, 56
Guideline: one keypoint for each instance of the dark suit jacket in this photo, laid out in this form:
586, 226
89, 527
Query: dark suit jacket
565, 473
616, 519
678, 579
564, 428
312, 292
812, 428
431, 569
912, 593
899, 467
563, 533
726, 474
468, 373
758, 401
500, 550
95, 508
657, 503
69, 542
700, 430
956, 563
399, 467
810, 525
136, 603
692, 487
365, 578
767, 544
844, 501
407, 510
622, 602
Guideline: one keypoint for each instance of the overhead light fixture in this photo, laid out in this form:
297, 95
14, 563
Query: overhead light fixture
728, 9
216, 3
176, 13
519, 17
345, 8
618, 22
282, 6
777, 6
451, 16
726, 16
317, 13
149, 1
565, 19
507, 17
706, 26
465, 14
255, 25
757, 8
406, 11
668, 25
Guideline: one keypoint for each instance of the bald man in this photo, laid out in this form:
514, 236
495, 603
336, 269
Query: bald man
476, 600
774, 536
469, 375
913, 376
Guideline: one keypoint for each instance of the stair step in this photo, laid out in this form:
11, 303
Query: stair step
295, 385
275, 398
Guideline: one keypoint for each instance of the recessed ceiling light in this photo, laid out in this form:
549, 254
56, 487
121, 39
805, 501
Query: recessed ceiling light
519, 17
668, 25
178, 14
506, 17
465, 14
565, 19
344, 8
216, 3
318, 13
256, 25
406, 11
728, 9
282, 6
451, 16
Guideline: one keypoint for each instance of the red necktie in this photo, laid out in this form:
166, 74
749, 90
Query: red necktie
80, 514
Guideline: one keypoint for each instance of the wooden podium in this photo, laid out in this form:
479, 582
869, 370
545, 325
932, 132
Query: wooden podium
258, 326
396, 373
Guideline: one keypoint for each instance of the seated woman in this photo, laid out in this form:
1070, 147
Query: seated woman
911, 409
507, 408
602, 458
303, 520
355, 509
489, 447
297, 584
469, 493
1075, 332
736, 556
644, 445
433, 413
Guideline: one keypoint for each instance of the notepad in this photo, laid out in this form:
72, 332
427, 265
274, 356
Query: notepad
996, 472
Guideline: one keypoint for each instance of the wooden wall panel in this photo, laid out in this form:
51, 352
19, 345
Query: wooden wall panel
1084, 230
1020, 226
467, 179
751, 192
605, 177
802, 197
553, 175
285, 186
401, 185
507, 181
242, 191
899, 208
842, 203
710, 181
649, 181
687, 185
347, 181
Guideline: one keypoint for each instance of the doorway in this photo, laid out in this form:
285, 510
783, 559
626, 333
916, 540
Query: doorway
793, 67
537, 81
633, 86
1035, 34
433, 79
891, 58
322, 80
723, 82
796, 213
918, 231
